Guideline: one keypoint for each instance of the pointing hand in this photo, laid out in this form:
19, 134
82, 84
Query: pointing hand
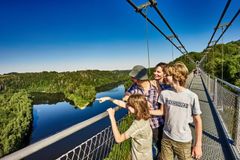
103, 99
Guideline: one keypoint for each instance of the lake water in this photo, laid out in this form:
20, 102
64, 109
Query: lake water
49, 119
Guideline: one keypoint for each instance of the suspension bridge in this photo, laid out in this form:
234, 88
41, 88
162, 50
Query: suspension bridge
219, 101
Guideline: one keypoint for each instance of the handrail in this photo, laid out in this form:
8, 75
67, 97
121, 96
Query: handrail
236, 88
22, 153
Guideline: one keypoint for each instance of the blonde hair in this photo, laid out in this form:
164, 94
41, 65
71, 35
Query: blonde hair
169, 70
179, 72
140, 105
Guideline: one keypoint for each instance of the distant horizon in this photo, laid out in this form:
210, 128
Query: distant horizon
95, 68
61, 71
65, 71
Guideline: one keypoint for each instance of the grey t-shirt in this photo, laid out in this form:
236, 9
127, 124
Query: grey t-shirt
141, 134
179, 110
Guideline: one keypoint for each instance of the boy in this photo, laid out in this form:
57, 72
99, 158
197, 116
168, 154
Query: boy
180, 107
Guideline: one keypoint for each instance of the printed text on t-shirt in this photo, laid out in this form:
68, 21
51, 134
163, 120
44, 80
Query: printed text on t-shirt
176, 103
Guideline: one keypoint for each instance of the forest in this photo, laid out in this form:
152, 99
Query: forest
215, 60
17, 90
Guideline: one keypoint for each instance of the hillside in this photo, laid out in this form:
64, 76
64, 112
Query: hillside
214, 62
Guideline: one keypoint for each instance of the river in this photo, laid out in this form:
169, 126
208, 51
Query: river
49, 119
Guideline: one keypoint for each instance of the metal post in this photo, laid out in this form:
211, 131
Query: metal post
222, 27
209, 89
213, 58
171, 38
146, 12
236, 127
215, 92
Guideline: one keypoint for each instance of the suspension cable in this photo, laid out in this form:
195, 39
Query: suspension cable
151, 22
215, 29
235, 16
219, 21
154, 4
223, 32
139, 10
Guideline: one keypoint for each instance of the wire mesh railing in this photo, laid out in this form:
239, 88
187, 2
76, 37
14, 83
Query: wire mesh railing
101, 145
226, 99
97, 147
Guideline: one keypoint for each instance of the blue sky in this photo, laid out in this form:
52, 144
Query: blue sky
70, 35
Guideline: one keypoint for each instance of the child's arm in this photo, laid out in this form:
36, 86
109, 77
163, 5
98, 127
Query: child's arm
197, 148
125, 98
116, 101
158, 112
118, 137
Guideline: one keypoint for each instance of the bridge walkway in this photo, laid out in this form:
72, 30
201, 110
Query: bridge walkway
215, 145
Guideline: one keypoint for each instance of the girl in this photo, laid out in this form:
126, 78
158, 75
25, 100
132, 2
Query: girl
140, 130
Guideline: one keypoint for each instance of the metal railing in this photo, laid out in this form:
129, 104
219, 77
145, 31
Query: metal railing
94, 148
189, 80
226, 99
101, 146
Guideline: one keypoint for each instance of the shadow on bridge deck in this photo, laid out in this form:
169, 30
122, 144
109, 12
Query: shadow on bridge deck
215, 145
